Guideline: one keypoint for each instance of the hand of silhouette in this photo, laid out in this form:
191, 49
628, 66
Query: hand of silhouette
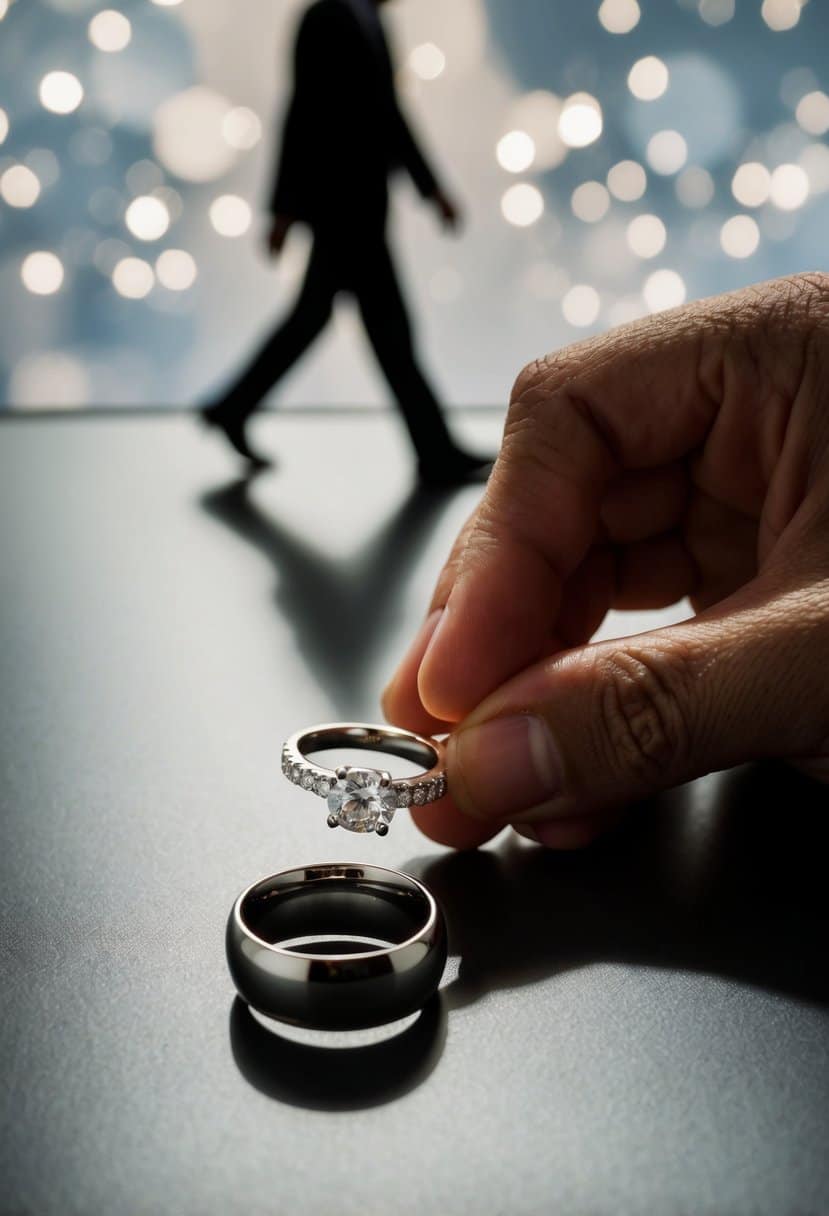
448, 211
277, 234
684, 455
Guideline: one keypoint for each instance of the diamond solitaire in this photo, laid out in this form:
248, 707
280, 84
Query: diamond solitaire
365, 799
362, 800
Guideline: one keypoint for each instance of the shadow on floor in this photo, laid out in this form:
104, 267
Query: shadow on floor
341, 611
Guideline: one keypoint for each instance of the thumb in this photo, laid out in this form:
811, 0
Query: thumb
578, 735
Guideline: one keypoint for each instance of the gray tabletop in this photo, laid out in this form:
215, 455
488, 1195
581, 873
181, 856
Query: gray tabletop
640, 1028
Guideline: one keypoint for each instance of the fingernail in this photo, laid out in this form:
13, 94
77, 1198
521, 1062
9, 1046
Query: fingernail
503, 767
413, 657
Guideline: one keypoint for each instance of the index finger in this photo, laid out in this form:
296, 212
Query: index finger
640, 397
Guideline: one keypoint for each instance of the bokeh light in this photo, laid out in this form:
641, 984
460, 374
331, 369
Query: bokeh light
147, 218
789, 187
646, 235
716, 12
515, 151
19, 186
648, 78
4, 125
522, 205
751, 184
133, 278
740, 236
667, 152
781, 14
230, 215
537, 113
60, 92
581, 305
242, 128
42, 273
590, 202
110, 31
176, 269
627, 181
427, 61
619, 16
664, 289
189, 137
813, 112
694, 187
580, 122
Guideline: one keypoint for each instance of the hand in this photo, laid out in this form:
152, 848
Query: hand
447, 210
278, 232
683, 455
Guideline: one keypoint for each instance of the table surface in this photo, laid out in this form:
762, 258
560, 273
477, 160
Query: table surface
640, 1028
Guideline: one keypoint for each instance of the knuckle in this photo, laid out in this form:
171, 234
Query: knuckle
643, 732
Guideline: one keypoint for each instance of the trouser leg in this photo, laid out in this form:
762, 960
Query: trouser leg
389, 331
290, 341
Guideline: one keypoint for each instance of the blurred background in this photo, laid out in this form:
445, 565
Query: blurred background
612, 159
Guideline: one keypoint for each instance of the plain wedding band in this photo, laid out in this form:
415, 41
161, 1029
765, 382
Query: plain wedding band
291, 942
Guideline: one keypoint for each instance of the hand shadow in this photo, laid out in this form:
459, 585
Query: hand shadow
342, 611
724, 877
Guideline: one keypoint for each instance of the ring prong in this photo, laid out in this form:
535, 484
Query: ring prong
385, 779
332, 821
342, 772
382, 829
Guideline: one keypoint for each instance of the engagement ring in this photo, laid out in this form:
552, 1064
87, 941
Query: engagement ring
365, 799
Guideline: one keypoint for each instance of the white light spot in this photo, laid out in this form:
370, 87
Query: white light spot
781, 14
667, 152
664, 289
648, 78
147, 218
110, 30
166, 3
646, 236
789, 187
52, 379
522, 205
42, 273
716, 12
537, 114
133, 278
740, 236
814, 159
176, 269
694, 187
427, 61
4, 8
627, 181
230, 215
751, 184
515, 151
242, 128
188, 135
619, 16
4, 125
590, 202
19, 186
60, 92
813, 113
580, 121
581, 305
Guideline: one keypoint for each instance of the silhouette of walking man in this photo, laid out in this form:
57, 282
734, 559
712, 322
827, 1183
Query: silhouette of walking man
343, 134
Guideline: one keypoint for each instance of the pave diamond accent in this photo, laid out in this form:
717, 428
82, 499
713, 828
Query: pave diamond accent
404, 796
360, 803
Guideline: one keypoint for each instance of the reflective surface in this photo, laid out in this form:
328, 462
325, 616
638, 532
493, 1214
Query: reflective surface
641, 1028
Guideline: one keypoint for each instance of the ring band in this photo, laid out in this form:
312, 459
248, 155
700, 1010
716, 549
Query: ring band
278, 927
365, 799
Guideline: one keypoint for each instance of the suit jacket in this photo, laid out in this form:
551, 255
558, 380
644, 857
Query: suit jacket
343, 132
